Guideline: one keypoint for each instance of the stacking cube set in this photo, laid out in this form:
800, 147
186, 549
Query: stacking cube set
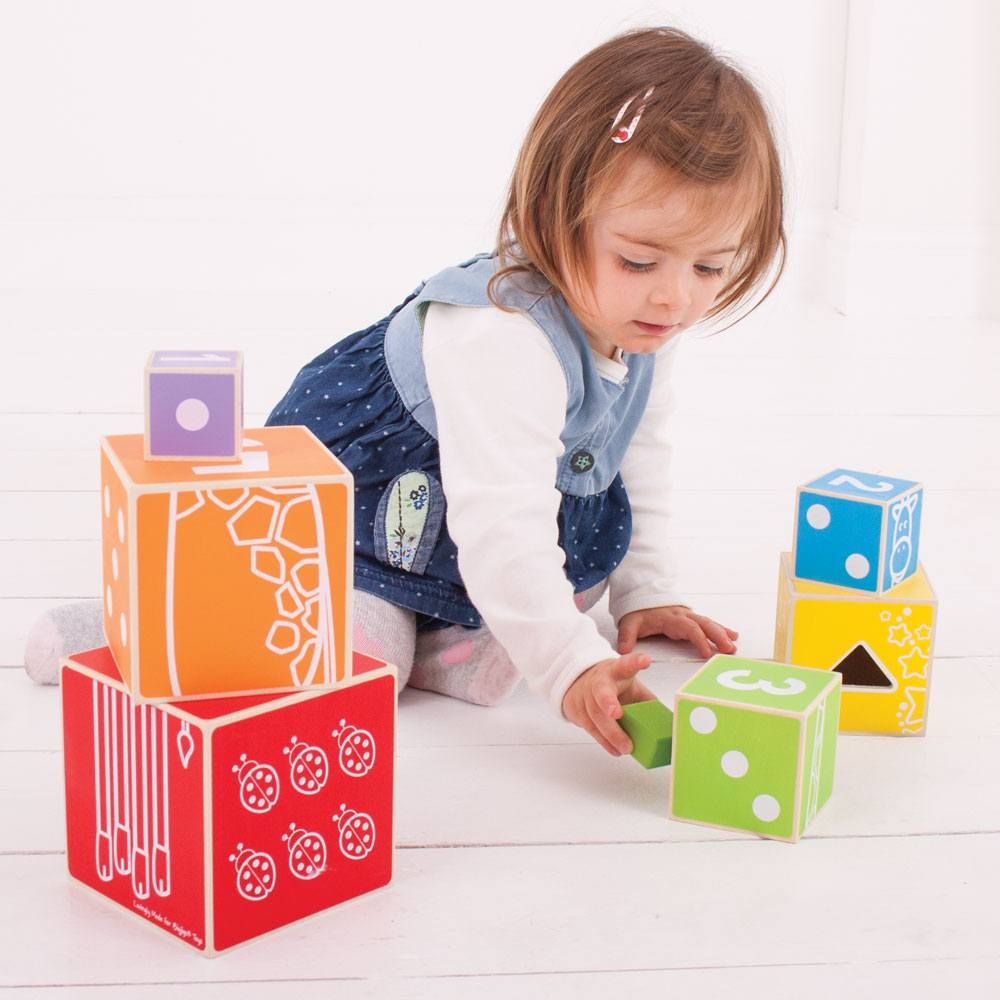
229, 764
854, 598
753, 742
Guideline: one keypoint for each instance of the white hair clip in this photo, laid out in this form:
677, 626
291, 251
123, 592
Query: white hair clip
624, 134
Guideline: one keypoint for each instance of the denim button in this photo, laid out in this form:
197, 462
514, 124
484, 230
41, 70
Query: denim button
582, 461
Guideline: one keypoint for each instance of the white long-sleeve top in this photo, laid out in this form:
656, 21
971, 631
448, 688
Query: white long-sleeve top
500, 397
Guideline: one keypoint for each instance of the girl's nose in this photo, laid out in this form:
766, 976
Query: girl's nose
672, 291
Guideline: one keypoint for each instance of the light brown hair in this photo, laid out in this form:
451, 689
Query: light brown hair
705, 123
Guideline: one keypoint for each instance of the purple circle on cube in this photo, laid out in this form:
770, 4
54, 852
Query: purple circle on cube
179, 404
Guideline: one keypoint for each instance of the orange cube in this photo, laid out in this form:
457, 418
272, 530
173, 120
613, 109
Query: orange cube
227, 579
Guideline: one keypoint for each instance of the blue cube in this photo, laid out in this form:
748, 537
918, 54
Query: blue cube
858, 530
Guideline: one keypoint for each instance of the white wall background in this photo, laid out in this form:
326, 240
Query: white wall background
311, 149
917, 218
216, 160
339, 153
308, 147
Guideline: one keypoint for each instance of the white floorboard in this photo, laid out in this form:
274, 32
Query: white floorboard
820, 981
530, 863
562, 908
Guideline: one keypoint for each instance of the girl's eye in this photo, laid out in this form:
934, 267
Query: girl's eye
702, 269
631, 265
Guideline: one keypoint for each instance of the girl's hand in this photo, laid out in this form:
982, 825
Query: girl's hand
675, 622
594, 700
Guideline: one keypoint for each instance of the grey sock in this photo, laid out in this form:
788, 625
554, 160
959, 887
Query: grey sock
464, 663
385, 631
470, 664
61, 631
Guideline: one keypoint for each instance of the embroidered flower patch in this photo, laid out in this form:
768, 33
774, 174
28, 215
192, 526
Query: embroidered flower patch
408, 521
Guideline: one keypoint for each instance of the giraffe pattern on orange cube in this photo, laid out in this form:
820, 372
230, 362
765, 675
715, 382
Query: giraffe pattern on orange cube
228, 578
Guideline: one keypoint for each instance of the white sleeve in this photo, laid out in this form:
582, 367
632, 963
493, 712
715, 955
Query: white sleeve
500, 397
646, 578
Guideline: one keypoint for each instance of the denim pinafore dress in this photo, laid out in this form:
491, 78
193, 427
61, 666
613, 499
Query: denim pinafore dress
367, 399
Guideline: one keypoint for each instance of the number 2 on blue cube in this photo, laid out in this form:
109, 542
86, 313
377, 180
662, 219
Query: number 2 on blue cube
858, 530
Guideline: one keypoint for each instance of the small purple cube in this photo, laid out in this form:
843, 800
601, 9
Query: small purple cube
194, 405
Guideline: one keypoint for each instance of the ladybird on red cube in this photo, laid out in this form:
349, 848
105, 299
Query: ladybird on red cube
254, 873
357, 833
288, 834
306, 852
357, 749
258, 784
308, 765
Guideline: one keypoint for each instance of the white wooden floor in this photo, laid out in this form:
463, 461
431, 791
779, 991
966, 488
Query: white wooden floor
529, 863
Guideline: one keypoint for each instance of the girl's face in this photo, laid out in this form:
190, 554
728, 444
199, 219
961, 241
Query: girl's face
657, 264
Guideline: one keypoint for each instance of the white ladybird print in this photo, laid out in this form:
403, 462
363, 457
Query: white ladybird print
357, 749
258, 784
308, 766
306, 852
255, 874
357, 833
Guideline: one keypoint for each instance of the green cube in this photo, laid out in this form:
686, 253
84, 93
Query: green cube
650, 725
754, 746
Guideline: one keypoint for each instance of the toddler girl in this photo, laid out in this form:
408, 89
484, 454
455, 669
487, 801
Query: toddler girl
507, 423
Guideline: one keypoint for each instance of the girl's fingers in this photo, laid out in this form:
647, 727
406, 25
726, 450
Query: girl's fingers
596, 734
697, 638
718, 635
627, 666
603, 705
627, 636
706, 622
639, 692
603, 708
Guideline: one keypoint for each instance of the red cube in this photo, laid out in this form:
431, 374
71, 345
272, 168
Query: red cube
223, 819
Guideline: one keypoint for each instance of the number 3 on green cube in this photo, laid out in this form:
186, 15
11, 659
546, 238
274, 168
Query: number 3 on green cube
754, 746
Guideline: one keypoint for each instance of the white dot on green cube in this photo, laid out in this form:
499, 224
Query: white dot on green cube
857, 566
703, 720
735, 764
818, 516
766, 808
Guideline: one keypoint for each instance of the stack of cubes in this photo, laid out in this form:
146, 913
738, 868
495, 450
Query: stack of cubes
229, 764
853, 598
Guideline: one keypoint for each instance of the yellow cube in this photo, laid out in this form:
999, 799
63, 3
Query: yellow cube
882, 645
